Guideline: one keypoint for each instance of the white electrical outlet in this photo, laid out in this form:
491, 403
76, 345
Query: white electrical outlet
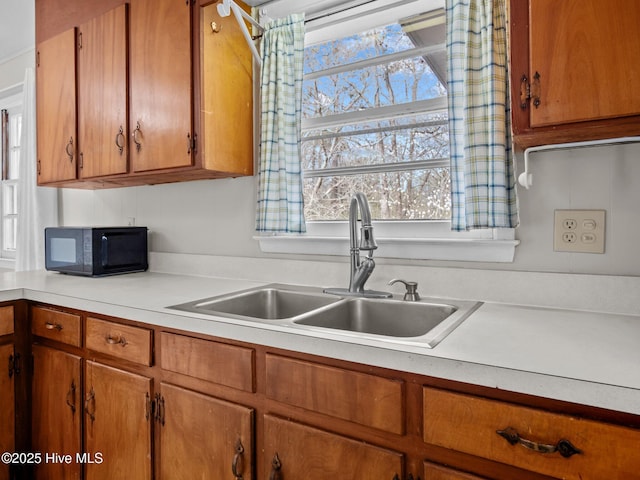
579, 231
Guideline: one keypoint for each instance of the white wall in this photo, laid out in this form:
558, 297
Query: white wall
12, 70
215, 217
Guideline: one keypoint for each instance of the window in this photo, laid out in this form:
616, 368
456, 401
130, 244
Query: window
11, 120
375, 121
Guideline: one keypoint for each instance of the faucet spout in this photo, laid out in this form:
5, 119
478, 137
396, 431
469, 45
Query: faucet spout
361, 269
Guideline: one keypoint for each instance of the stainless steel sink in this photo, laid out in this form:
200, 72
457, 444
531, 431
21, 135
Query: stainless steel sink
380, 317
267, 303
424, 323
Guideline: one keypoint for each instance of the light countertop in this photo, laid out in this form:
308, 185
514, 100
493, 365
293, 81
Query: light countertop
577, 356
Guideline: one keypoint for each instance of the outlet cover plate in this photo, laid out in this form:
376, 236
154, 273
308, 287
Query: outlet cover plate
579, 231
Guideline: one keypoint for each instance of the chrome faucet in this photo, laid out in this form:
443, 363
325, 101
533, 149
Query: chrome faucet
361, 268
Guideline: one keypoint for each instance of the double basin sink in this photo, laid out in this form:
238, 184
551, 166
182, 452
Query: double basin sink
425, 322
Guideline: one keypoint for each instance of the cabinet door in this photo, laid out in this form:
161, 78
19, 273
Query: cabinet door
7, 409
294, 451
57, 411
433, 471
586, 54
202, 437
56, 108
160, 84
117, 424
102, 94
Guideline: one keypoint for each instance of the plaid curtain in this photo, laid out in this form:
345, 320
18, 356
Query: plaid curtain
483, 191
280, 203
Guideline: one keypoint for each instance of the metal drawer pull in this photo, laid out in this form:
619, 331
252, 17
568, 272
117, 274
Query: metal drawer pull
52, 326
71, 395
90, 401
117, 340
237, 466
120, 140
276, 466
563, 447
137, 132
69, 149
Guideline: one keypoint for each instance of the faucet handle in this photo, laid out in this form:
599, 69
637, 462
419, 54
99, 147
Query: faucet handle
411, 295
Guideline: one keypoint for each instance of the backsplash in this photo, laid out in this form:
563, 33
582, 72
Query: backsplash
216, 217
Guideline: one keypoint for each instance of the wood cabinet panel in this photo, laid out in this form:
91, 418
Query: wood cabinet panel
226, 106
582, 50
433, 471
56, 325
361, 398
470, 424
584, 53
56, 108
160, 84
102, 94
121, 341
216, 362
203, 437
313, 454
117, 423
6, 320
56, 411
7, 409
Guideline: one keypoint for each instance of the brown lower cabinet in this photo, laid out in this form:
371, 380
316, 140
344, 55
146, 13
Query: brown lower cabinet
7, 408
203, 437
136, 401
117, 429
56, 411
296, 451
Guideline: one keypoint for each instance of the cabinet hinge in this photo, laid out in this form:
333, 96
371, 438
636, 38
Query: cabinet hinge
530, 91
14, 365
80, 41
192, 143
157, 409
81, 163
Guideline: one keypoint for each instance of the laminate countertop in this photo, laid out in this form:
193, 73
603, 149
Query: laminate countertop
577, 356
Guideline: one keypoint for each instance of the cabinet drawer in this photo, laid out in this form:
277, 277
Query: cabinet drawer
122, 341
56, 325
228, 365
357, 397
6, 320
293, 451
433, 471
470, 424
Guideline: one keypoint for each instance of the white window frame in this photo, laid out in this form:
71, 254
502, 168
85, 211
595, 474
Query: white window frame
11, 100
420, 240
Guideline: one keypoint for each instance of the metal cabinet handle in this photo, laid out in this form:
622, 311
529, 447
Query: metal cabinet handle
276, 466
237, 466
120, 140
116, 340
71, 395
69, 149
563, 447
90, 401
53, 326
135, 134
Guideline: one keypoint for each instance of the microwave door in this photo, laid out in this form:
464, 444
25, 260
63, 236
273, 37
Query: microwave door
65, 252
122, 251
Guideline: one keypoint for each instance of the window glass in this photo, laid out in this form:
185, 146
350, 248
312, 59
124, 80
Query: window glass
375, 121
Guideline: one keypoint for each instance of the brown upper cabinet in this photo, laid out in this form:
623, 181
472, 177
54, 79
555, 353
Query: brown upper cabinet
160, 96
102, 94
573, 70
56, 108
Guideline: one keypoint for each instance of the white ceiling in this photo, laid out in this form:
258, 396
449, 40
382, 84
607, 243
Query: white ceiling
17, 27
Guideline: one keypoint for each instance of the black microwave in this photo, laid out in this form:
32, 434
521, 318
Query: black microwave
96, 251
